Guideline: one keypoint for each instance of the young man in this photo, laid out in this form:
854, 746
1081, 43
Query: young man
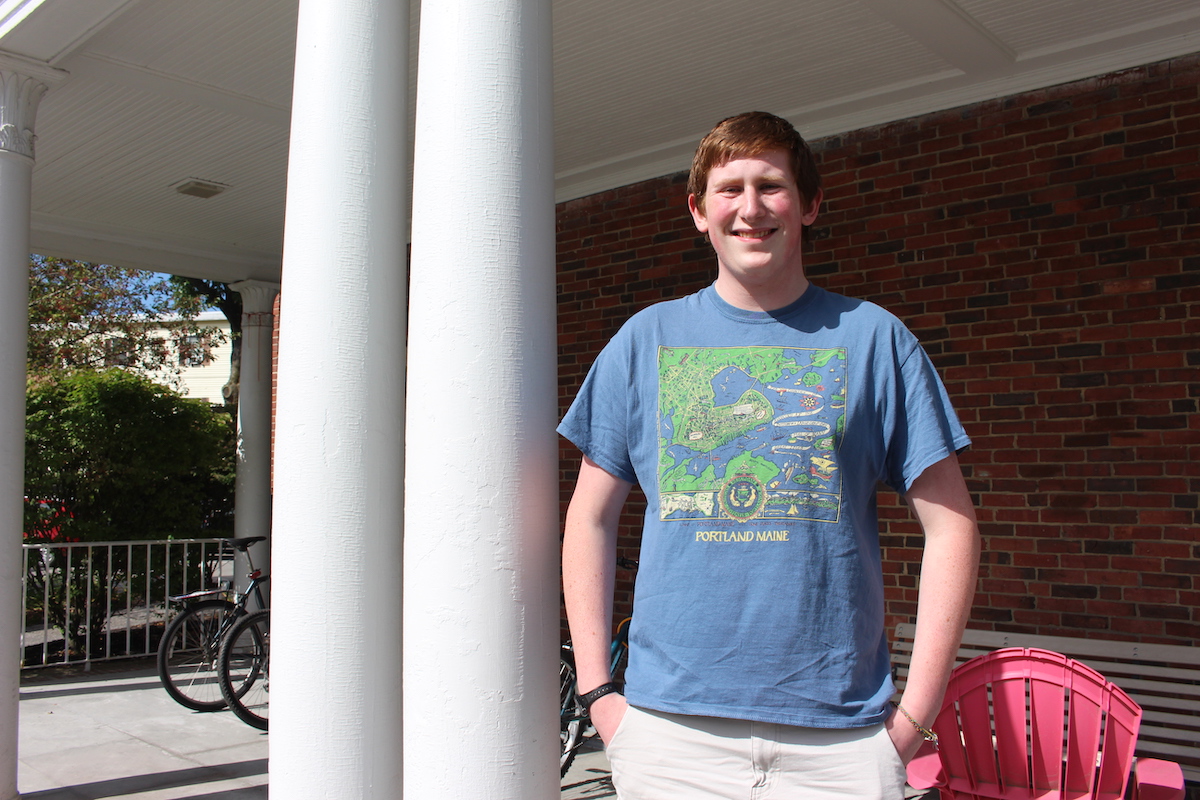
758, 416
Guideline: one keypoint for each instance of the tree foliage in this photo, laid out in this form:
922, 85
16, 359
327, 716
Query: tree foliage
218, 295
112, 455
93, 316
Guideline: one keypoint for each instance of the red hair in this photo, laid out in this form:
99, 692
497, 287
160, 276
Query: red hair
751, 134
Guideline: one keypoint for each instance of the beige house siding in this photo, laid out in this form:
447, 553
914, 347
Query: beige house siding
204, 381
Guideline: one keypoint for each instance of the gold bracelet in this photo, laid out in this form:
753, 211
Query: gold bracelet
926, 733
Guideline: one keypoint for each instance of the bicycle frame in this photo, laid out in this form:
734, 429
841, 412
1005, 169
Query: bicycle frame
257, 579
254, 589
619, 645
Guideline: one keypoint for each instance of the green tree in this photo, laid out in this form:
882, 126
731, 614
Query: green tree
112, 456
93, 316
214, 294
124, 457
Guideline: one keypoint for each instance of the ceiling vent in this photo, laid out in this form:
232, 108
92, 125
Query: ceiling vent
199, 188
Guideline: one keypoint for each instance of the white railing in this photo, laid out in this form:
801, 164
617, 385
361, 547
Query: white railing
98, 601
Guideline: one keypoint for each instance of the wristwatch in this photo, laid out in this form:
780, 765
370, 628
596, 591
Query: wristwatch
595, 694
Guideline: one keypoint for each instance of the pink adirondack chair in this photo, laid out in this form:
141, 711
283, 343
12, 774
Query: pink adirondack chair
1030, 724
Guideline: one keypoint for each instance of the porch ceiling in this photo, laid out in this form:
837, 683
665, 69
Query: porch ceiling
162, 91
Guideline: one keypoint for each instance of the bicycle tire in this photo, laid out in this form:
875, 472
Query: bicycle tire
188, 653
244, 673
572, 715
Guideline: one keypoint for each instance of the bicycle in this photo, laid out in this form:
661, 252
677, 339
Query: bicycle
243, 672
572, 716
188, 655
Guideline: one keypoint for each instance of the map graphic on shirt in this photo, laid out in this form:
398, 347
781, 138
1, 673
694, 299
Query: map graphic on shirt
750, 433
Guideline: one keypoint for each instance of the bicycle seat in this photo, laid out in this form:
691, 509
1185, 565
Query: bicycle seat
244, 544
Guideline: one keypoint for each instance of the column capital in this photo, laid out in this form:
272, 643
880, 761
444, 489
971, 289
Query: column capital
23, 82
258, 297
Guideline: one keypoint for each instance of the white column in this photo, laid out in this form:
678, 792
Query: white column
335, 650
22, 85
252, 484
481, 513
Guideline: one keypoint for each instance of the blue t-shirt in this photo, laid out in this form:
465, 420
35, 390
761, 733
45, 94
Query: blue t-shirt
759, 440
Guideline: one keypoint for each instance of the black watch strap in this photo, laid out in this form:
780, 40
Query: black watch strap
595, 694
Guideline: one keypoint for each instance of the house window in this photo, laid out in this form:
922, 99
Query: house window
118, 351
192, 351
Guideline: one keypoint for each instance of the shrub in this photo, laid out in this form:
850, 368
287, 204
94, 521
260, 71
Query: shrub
113, 456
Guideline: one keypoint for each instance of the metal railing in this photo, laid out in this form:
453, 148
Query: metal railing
98, 601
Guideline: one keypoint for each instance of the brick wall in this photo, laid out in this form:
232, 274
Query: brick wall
1045, 248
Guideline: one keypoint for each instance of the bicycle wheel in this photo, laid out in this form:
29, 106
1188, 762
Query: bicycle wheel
571, 715
245, 681
188, 652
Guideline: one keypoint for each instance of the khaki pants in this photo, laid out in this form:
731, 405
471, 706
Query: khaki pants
659, 756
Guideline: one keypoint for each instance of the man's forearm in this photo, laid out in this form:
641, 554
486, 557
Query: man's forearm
589, 567
588, 574
948, 573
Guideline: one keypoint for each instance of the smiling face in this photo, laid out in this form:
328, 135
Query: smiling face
754, 215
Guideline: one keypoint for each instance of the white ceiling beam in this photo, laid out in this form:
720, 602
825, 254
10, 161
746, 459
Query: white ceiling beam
58, 27
120, 73
942, 27
1152, 31
884, 104
55, 236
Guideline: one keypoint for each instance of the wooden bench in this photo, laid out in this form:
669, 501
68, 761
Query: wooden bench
1163, 679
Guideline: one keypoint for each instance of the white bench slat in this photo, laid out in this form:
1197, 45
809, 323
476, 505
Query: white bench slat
1143, 689
1177, 677
1161, 717
1124, 651
1171, 752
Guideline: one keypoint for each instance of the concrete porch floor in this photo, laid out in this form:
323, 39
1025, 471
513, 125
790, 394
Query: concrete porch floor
114, 733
